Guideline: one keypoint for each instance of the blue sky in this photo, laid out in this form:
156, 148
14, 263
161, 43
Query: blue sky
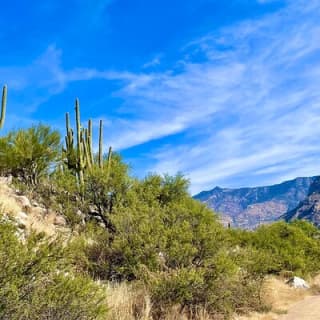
227, 92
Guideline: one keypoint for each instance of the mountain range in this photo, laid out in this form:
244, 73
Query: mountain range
309, 208
249, 207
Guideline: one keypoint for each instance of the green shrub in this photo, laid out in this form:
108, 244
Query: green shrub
28, 154
220, 288
37, 281
279, 247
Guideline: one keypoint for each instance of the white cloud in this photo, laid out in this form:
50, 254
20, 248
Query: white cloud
254, 103
249, 111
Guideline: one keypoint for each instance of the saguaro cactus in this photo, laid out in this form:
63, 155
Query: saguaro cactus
80, 156
3, 105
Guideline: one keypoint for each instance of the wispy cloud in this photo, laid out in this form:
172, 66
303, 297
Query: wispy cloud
253, 102
245, 99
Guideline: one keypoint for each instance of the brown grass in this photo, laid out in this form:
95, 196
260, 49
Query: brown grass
280, 297
127, 302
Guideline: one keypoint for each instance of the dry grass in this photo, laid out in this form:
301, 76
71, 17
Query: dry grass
130, 303
280, 297
126, 302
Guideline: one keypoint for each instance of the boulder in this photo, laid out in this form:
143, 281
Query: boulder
23, 201
39, 212
60, 221
6, 180
298, 283
21, 218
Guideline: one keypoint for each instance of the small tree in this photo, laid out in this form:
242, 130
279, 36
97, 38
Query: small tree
29, 153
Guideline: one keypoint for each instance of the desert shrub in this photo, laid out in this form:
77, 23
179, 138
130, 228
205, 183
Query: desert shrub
103, 190
220, 288
293, 247
28, 154
37, 281
176, 247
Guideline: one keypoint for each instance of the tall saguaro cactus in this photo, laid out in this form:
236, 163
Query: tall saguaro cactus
3, 105
80, 155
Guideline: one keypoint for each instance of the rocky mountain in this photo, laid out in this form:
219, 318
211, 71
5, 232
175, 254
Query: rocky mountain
249, 207
309, 208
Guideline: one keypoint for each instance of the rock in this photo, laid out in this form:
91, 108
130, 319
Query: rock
21, 219
22, 215
80, 213
60, 221
298, 283
23, 201
38, 211
35, 204
93, 210
82, 216
6, 180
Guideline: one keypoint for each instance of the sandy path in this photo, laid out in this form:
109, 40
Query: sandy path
308, 309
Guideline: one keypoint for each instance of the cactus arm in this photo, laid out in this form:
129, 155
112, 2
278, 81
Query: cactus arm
109, 163
90, 141
101, 145
79, 149
3, 106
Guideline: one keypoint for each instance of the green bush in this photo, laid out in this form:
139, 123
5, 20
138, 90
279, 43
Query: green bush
220, 288
279, 247
37, 281
28, 154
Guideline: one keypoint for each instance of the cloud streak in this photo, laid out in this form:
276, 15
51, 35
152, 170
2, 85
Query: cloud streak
253, 103
243, 100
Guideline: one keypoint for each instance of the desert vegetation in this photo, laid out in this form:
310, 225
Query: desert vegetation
146, 239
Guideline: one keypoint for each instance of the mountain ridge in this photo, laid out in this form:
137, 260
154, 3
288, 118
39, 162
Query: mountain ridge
249, 207
309, 208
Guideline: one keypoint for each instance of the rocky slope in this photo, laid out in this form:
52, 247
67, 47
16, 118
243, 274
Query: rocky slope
249, 207
309, 208
28, 215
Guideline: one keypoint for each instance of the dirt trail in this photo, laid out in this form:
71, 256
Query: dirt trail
307, 309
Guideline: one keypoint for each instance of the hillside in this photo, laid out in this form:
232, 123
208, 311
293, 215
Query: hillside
309, 208
249, 207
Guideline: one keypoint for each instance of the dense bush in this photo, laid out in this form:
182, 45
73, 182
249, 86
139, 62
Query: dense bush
37, 281
176, 246
279, 247
28, 154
